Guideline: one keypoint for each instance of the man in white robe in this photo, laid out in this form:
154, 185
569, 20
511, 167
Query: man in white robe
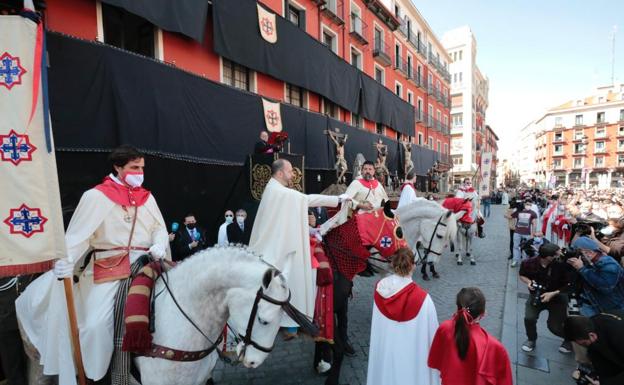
281, 228
102, 221
222, 239
366, 193
403, 325
408, 191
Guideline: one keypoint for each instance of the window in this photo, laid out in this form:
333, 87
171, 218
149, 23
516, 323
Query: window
127, 31
458, 160
330, 40
458, 120
460, 55
439, 145
579, 148
557, 163
620, 160
558, 121
379, 75
578, 135
356, 58
398, 87
460, 77
599, 146
621, 115
295, 15
455, 77
599, 161
601, 132
378, 39
600, 117
330, 109
380, 129
445, 122
397, 56
620, 144
419, 109
621, 131
578, 162
431, 142
420, 139
410, 72
410, 97
578, 120
558, 137
430, 115
356, 120
430, 83
294, 95
236, 75
446, 148
558, 149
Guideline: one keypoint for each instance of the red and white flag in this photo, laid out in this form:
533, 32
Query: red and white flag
272, 116
31, 222
266, 23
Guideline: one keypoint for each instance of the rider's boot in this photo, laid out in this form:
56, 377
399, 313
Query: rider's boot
433, 270
423, 271
459, 259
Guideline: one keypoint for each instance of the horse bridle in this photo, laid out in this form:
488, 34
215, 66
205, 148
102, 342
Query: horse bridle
247, 340
435, 232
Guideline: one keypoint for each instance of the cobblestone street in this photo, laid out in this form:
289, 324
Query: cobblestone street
291, 362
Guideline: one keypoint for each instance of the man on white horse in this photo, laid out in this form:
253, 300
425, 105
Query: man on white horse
366, 192
114, 224
281, 228
468, 228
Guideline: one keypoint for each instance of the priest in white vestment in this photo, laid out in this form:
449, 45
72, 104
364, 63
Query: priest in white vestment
403, 325
281, 228
366, 192
103, 221
408, 190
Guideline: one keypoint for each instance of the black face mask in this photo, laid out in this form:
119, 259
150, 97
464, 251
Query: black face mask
191, 226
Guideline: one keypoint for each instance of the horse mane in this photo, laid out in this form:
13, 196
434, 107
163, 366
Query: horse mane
420, 208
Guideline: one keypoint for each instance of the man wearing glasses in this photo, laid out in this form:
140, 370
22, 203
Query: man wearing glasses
222, 239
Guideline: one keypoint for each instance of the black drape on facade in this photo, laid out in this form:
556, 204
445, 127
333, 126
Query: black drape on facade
187, 17
299, 59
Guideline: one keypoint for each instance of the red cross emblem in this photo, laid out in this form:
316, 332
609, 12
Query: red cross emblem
11, 71
15, 148
26, 221
267, 26
272, 118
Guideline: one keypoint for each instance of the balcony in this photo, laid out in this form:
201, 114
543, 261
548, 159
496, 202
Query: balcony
414, 77
401, 66
382, 53
558, 154
419, 116
403, 28
334, 10
358, 29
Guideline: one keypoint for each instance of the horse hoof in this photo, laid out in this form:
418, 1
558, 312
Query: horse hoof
459, 263
436, 275
473, 263
426, 277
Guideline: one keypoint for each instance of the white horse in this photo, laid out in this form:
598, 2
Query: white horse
427, 224
212, 287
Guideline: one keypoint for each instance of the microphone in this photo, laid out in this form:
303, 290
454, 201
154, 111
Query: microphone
174, 227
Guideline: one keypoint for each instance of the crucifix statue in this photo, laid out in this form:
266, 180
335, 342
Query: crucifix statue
341, 163
380, 164
408, 164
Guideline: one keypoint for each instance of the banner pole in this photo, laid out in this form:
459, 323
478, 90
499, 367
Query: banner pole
73, 326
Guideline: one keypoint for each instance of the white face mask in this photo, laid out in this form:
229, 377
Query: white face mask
537, 239
240, 219
607, 230
229, 219
134, 179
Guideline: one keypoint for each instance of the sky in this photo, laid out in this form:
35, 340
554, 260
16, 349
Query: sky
537, 54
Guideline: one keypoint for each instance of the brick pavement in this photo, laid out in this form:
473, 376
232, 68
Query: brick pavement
291, 362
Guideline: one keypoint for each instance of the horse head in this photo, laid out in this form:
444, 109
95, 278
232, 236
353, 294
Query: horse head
381, 230
255, 314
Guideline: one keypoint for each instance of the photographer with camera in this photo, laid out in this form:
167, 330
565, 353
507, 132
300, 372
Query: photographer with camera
525, 227
548, 281
602, 278
612, 240
603, 336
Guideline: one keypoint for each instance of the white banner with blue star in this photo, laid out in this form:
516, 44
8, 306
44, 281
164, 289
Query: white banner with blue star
31, 222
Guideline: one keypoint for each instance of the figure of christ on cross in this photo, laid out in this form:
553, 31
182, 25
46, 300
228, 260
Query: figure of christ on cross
341, 163
380, 165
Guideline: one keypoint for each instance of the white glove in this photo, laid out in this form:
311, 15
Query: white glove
157, 251
316, 233
63, 268
343, 198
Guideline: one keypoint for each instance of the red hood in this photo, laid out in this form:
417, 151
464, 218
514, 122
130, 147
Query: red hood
404, 305
123, 195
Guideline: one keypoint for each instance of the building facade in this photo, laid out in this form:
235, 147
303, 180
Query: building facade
469, 102
491, 145
523, 159
391, 44
581, 142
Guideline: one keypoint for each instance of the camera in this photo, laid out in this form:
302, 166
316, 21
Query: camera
538, 290
585, 372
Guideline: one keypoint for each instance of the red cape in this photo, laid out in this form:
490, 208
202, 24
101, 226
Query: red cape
458, 204
486, 363
123, 195
546, 216
404, 305
369, 184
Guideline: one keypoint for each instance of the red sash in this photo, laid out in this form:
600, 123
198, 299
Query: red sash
123, 195
369, 184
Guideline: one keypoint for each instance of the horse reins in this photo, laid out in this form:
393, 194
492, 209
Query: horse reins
433, 234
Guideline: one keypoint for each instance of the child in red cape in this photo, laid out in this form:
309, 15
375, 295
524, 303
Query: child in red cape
463, 352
